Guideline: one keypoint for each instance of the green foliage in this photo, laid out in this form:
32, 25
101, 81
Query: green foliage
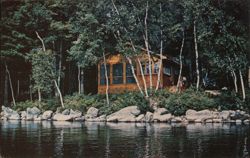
118, 101
49, 104
83, 102
161, 96
42, 69
178, 104
229, 100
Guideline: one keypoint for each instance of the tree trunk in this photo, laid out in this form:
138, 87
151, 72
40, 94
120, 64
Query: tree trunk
30, 89
196, 58
242, 86
79, 79
143, 78
180, 72
60, 65
18, 87
60, 94
6, 89
235, 81
82, 81
107, 81
248, 77
147, 47
161, 56
39, 95
133, 72
11, 87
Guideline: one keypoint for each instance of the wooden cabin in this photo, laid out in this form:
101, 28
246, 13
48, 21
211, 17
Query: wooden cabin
121, 78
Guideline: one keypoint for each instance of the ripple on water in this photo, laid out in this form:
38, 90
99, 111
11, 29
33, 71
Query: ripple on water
91, 139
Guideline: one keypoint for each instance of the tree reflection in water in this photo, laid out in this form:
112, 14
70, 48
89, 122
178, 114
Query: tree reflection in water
90, 139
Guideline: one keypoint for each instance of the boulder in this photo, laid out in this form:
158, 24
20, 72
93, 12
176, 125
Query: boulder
101, 118
238, 121
239, 115
161, 111
23, 115
217, 120
200, 116
140, 118
198, 121
127, 114
81, 118
75, 114
162, 118
47, 114
7, 112
38, 118
61, 117
66, 112
209, 121
225, 115
176, 119
1, 114
14, 116
149, 117
30, 117
92, 113
33, 111
246, 121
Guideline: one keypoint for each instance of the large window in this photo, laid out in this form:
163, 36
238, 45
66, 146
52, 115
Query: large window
129, 75
167, 70
156, 68
102, 74
117, 73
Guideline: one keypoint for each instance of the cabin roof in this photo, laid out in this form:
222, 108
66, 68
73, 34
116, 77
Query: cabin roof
116, 57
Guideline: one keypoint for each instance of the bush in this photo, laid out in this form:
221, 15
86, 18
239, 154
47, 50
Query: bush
119, 101
161, 97
178, 104
49, 104
83, 102
229, 100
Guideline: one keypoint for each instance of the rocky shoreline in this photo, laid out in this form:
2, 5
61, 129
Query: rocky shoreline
128, 114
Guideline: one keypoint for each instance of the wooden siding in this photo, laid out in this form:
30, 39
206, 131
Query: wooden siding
119, 88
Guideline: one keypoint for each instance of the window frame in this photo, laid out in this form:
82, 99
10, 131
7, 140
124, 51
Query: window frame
102, 79
117, 76
130, 75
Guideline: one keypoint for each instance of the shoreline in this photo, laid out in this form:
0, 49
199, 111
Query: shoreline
130, 114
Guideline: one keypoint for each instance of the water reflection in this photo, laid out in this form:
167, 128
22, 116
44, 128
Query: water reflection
91, 139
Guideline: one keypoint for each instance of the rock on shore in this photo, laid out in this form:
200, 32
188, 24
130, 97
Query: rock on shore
128, 114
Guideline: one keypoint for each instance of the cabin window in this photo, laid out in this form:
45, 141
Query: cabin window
143, 65
167, 70
129, 75
147, 68
176, 71
117, 73
156, 68
102, 74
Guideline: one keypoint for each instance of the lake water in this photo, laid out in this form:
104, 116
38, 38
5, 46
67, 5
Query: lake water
118, 140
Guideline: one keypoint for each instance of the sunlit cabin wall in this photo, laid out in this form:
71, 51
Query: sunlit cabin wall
166, 80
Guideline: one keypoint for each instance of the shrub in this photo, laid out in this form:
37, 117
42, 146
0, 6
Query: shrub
178, 104
229, 100
83, 102
119, 101
49, 104
161, 97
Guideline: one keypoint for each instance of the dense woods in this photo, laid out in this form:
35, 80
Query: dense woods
50, 49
